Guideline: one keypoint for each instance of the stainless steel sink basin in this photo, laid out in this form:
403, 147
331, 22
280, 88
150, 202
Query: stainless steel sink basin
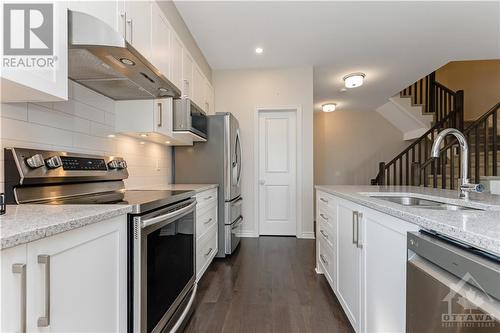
422, 203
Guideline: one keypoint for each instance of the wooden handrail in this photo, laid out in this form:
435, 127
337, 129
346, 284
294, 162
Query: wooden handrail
448, 90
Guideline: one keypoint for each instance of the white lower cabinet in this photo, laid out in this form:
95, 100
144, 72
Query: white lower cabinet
206, 230
369, 274
76, 281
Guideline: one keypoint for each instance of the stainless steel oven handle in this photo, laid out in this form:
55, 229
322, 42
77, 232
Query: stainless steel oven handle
237, 223
186, 311
164, 217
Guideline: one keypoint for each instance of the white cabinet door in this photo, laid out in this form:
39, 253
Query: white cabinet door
49, 82
187, 74
176, 48
160, 50
349, 264
163, 116
384, 272
138, 26
108, 11
13, 289
209, 98
77, 280
198, 87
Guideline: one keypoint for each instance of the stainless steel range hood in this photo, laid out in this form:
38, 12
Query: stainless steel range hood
102, 60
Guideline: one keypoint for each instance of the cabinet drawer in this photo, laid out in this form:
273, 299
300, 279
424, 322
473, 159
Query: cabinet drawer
206, 199
206, 247
326, 233
326, 258
205, 218
326, 215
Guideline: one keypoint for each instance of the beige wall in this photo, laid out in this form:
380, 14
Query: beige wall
175, 19
349, 145
241, 92
480, 81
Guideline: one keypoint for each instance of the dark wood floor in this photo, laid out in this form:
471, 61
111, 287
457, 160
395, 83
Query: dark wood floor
268, 285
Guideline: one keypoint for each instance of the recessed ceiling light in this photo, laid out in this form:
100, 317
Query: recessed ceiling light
354, 80
142, 142
111, 135
259, 50
330, 107
144, 135
167, 142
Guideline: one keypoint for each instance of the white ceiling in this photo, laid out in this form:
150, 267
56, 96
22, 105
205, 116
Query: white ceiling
394, 43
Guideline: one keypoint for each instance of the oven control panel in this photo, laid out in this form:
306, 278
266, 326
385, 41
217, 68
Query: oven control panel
83, 164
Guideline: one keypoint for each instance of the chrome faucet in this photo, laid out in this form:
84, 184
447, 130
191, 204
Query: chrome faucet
465, 186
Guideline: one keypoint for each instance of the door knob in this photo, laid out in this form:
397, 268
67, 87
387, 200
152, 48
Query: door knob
262, 182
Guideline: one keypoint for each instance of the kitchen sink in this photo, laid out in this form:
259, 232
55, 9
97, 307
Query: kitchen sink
422, 203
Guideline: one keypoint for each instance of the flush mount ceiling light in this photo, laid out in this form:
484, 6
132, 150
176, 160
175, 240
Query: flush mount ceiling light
111, 135
330, 107
354, 80
167, 142
259, 50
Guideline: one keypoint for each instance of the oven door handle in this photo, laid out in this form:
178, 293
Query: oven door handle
160, 218
186, 311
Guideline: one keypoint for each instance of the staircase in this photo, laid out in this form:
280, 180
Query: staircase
413, 166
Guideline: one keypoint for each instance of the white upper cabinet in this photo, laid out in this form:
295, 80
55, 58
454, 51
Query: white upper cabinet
209, 106
138, 26
176, 50
48, 81
161, 47
111, 11
198, 87
187, 74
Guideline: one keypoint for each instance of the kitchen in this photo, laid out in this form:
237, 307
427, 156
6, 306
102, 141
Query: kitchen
151, 160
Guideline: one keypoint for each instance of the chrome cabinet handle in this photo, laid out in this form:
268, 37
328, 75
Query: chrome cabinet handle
354, 216
208, 221
324, 200
21, 269
130, 22
358, 243
324, 234
324, 216
160, 114
209, 251
44, 321
124, 18
322, 257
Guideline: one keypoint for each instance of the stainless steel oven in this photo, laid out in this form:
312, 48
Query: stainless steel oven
163, 267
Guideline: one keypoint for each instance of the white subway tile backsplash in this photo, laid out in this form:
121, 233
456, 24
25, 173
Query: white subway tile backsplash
17, 111
81, 125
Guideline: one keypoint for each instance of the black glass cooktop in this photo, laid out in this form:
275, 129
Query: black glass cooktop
141, 200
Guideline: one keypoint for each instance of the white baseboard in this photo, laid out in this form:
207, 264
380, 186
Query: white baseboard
317, 270
248, 234
307, 235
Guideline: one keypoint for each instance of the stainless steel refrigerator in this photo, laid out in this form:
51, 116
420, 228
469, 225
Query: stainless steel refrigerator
217, 161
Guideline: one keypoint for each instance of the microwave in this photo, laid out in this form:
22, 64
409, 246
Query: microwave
189, 117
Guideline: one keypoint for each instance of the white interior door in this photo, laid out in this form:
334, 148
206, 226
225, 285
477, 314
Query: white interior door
277, 173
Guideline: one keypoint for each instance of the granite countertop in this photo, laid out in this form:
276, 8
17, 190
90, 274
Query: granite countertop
477, 228
188, 187
26, 223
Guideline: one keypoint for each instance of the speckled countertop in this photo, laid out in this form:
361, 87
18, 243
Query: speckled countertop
188, 187
26, 223
477, 228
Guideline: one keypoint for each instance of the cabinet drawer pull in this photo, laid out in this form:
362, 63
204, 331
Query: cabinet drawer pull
208, 253
160, 114
209, 197
208, 221
322, 257
359, 245
131, 35
324, 216
324, 200
45, 320
324, 234
354, 224
21, 269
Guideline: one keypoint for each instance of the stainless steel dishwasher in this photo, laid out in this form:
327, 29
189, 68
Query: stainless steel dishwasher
451, 287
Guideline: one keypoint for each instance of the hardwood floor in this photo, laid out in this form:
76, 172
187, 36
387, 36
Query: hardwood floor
268, 285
